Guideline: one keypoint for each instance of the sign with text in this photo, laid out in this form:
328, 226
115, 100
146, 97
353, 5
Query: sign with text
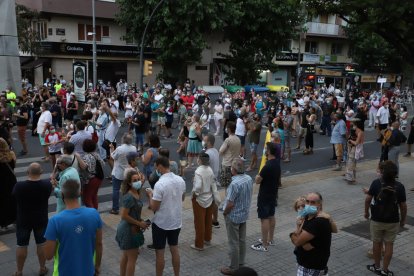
79, 80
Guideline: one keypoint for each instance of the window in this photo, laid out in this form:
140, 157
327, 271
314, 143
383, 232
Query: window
84, 29
40, 27
105, 31
336, 49
81, 32
311, 47
323, 18
50, 31
201, 67
286, 46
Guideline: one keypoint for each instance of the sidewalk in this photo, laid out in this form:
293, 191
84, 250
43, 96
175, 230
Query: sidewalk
344, 202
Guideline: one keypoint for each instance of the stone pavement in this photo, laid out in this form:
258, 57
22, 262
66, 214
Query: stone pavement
344, 202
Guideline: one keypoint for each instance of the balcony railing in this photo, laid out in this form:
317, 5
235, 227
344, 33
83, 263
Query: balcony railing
322, 29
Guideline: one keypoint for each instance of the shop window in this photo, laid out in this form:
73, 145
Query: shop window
311, 47
40, 28
336, 49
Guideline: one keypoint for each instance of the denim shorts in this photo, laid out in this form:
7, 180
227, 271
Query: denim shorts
253, 148
23, 235
265, 209
139, 138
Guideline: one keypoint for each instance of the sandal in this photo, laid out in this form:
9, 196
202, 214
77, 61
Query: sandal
226, 271
374, 269
43, 271
386, 273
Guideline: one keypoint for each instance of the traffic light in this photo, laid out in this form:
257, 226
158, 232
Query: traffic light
147, 67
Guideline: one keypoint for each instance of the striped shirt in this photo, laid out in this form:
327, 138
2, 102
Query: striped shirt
240, 193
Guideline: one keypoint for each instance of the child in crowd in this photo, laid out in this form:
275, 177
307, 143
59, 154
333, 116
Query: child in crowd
54, 139
182, 153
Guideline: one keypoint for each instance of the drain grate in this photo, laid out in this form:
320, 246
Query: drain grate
361, 228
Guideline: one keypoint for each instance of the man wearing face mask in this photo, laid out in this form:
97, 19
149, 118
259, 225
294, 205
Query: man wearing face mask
267, 198
315, 231
166, 201
22, 118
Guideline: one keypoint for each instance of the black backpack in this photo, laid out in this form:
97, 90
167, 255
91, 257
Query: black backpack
386, 203
98, 169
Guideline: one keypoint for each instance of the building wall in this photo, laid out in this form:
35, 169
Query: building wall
199, 76
63, 67
38, 75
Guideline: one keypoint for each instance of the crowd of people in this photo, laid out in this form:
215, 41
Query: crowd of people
81, 140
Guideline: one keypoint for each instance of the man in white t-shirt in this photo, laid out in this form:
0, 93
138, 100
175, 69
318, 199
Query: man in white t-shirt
383, 116
119, 155
110, 134
166, 201
45, 121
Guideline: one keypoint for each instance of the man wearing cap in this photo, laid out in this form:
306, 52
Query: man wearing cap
236, 213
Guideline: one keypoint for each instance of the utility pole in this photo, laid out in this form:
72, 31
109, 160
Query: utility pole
94, 46
298, 62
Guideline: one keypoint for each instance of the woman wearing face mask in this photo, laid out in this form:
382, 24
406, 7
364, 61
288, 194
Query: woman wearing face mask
355, 150
194, 143
72, 108
128, 108
129, 234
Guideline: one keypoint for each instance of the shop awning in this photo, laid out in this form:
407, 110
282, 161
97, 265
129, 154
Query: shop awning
277, 88
212, 89
30, 63
233, 88
257, 88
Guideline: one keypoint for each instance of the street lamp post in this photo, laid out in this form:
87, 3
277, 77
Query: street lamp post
298, 63
141, 53
94, 46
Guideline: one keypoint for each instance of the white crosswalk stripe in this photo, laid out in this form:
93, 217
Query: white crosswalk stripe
104, 193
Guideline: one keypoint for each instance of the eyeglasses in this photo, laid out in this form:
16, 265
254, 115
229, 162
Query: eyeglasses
312, 201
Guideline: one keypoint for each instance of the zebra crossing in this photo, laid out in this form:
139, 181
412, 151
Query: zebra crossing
104, 193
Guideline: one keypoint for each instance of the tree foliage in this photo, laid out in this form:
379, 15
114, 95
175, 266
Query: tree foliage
372, 52
391, 20
254, 28
27, 37
260, 29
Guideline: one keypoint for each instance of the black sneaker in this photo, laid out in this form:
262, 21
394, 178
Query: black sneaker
150, 246
216, 224
374, 269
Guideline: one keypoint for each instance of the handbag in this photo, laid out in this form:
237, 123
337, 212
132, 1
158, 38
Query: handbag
216, 193
359, 151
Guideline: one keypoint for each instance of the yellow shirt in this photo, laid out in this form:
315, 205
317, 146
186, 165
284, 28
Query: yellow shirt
11, 96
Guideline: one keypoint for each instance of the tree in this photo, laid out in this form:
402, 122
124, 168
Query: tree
392, 20
260, 29
371, 52
176, 30
28, 38
254, 28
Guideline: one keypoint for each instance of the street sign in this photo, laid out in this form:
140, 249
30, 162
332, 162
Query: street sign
79, 80
382, 80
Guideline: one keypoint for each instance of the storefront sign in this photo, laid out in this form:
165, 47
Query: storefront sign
288, 57
349, 68
368, 78
311, 58
309, 69
321, 79
327, 72
85, 49
79, 80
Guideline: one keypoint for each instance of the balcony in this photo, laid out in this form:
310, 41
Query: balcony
323, 29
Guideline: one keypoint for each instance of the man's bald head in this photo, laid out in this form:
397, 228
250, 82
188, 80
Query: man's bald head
34, 169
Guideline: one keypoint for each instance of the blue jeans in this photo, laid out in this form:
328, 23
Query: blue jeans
116, 186
326, 124
102, 151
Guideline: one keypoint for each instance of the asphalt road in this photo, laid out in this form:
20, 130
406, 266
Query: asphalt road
300, 163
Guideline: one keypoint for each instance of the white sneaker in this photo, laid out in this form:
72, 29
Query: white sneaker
242, 158
258, 247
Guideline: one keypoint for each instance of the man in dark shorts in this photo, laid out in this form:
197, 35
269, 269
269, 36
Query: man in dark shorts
166, 201
32, 198
268, 179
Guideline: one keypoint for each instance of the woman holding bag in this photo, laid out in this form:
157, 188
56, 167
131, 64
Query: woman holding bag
129, 233
203, 193
355, 149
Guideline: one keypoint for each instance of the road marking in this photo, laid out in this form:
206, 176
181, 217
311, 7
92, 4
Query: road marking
29, 160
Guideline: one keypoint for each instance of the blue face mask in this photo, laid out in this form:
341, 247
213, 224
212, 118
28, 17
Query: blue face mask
158, 173
308, 210
137, 185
